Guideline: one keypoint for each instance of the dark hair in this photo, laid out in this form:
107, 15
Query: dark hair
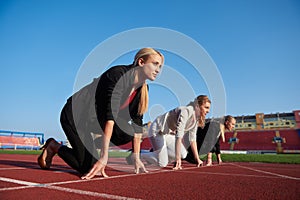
228, 118
202, 99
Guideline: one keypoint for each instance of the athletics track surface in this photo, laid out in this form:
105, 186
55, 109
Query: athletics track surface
21, 178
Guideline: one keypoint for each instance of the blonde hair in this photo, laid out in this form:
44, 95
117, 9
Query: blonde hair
200, 100
145, 53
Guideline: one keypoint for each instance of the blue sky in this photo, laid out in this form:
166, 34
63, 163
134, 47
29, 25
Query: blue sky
255, 45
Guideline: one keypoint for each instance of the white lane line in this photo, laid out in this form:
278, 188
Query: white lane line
97, 178
95, 194
12, 168
19, 182
49, 186
157, 171
15, 188
227, 174
266, 172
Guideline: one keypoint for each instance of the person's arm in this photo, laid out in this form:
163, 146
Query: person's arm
222, 132
178, 142
136, 153
194, 145
109, 125
99, 166
195, 153
181, 122
137, 143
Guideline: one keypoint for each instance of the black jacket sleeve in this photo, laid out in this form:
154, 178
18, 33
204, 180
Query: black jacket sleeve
109, 93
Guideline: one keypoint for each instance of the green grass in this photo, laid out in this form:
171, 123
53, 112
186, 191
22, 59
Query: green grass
265, 158
10, 151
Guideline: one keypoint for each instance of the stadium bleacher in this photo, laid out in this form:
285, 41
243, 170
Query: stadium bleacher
145, 145
249, 141
292, 139
262, 140
20, 140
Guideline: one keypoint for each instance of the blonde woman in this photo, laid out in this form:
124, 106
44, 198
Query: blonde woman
112, 106
166, 133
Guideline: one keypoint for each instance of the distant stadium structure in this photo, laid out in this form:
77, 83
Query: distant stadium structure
261, 121
20, 140
265, 133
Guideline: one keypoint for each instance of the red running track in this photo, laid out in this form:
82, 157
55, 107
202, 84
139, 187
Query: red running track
21, 178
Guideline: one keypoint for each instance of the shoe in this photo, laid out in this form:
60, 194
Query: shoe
45, 159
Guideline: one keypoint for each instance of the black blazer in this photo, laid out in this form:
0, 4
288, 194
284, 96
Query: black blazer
100, 101
112, 91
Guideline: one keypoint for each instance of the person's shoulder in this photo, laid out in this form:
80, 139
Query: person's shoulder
183, 108
215, 122
186, 110
115, 72
119, 69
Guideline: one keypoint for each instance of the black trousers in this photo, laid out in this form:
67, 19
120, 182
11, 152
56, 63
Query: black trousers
83, 155
216, 149
190, 155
